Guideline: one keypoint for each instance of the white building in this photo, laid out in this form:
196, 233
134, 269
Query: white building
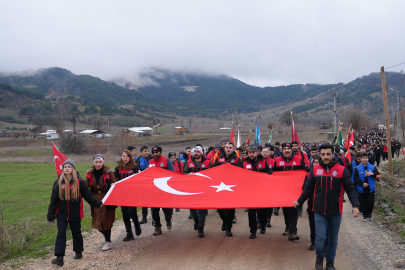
92, 133
141, 130
50, 134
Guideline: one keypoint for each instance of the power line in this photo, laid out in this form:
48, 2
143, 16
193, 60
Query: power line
394, 66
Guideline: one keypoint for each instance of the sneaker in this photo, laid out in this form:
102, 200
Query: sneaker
107, 246
365, 218
158, 231
234, 220
319, 263
201, 231
286, 232
293, 237
58, 260
138, 229
259, 226
252, 236
169, 224
330, 266
143, 220
78, 256
223, 227
263, 230
268, 224
129, 237
311, 247
228, 233
370, 217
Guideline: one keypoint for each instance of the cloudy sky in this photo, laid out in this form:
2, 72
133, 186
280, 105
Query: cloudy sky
263, 43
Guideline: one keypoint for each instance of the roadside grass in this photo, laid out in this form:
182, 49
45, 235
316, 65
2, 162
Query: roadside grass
24, 196
28, 153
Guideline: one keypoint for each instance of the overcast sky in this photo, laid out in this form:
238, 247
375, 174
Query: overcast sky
263, 43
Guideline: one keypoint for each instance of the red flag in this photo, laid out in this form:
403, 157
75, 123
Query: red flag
58, 158
350, 143
221, 187
248, 139
232, 139
294, 133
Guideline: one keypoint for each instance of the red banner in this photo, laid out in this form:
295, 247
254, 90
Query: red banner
58, 158
221, 187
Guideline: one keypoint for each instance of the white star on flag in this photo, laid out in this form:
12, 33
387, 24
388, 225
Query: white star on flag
222, 186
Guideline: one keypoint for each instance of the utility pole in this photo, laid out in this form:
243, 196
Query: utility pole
387, 123
335, 98
74, 124
398, 113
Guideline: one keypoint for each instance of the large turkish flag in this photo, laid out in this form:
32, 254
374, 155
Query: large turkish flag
222, 187
58, 158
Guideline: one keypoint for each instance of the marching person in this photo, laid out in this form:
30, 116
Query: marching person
268, 155
228, 156
65, 206
364, 176
164, 163
142, 164
290, 162
126, 167
194, 164
99, 180
256, 162
327, 180
177, 164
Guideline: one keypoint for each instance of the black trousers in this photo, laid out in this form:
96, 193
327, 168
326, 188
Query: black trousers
107, 235
144, 211
129, 213
378, 159
156, 217
311, 219
262, 215
269, 213
227, 217
367, 201
397, 151
75, 227
290, 219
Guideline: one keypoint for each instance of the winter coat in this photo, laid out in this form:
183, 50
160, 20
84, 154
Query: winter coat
73, 209
103, 217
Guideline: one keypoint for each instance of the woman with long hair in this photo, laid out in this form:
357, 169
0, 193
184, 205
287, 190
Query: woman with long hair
67, 207
126, 167
99, 180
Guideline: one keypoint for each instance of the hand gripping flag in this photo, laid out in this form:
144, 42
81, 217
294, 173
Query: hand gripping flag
221, 187
58, 158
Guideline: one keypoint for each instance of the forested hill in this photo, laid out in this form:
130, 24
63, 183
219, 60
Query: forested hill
197, 94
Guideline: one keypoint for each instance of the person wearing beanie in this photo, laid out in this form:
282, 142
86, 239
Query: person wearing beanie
290, 162
178, 165
161, 162
99, 180
277, 149
65, 207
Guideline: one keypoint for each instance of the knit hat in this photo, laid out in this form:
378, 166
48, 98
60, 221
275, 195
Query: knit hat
156, 149
286, 145
198, 148
70, 162
252, 148
277, 143
224, 140
217, 145
171, 153
271, 148
98, 157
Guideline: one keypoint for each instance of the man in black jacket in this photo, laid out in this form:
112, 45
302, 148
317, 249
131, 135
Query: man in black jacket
228, 156
142, 164
328, 180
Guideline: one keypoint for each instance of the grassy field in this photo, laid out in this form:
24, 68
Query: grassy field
24, 195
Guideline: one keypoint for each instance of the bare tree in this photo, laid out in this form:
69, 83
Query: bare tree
285, 118
120, 142
98, 124
357, 118
96, 146
57, 123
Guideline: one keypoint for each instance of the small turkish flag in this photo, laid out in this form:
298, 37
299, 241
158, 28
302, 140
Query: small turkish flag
58, 158
221, 187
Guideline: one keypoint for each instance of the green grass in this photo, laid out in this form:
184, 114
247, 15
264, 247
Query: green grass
28, 153
25, 192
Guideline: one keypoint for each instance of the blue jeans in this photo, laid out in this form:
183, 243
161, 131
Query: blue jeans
322, 224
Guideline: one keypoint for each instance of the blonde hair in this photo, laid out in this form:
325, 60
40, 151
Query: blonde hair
75, 187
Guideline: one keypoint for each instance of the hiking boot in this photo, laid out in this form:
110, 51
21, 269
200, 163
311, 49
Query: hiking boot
276, 210
201, 231
293, 237
263, 230
107, 246
196, 225
319, 263
286, 232
228, 233
129, 237
58, 260
138, 229
252, 235
78, 256
325, 252
158, 231
330, 266
143, 220
312, 247
223, 227
259, 226
169, 224
234, 220
268, 224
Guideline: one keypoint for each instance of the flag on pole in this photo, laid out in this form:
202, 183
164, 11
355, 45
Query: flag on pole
350, 143
348, 138
294, 133
232, 139
248, 139
58, 158
339, 139
271, 136
238, 142
257, 138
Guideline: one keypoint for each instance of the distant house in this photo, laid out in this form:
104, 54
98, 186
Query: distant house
140, 131
92, 133
179, 130
50, 134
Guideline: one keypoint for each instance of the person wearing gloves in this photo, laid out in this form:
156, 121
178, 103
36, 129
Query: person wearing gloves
66, 207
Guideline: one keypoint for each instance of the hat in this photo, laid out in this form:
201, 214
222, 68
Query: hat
286, 145
157, 149
244, 152
218, 145
252, 148
271, 148
181, 153
224, 140
171, 153
70, 162
98, 157
277, 143
198, 148
267, 145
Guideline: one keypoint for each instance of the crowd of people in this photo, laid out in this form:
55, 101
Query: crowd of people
330, 173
